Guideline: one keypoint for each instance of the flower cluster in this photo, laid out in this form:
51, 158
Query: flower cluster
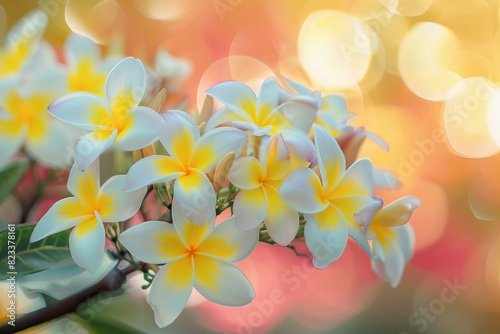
283, 163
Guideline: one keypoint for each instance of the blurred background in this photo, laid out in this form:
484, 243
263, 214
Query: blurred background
421, 74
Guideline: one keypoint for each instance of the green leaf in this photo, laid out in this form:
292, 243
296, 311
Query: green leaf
49, 253
10, 176
62, 282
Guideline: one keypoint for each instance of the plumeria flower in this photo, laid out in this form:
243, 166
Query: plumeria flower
266, 114
117, 119
87, 69
91, 206
191, 157
259, 200
198, 256
20, 44
330, 200
393, 239
25, 122
169, 67
332, 114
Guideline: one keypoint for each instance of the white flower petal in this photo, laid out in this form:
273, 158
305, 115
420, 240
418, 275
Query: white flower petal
34, 22
366, 214
268, 95
84, 185
84, 110
170, 290
92, 145
250, 208
36, 83
126, 84
299, 88
223, 115
246, 173
406, 240
385, 179
302, 190
255, 129
214, 145
393, 265
86, 243
181, 135
229, 243
56, 149
299, 143
221, 282
152, 169
357, 180
350, 206
331, 160
79, 47
232, 94
326, 236
154, 242
191, 234
141, 127
282, 221
196, 196
275, 158
115, 204
301, 114
9, 146
62, 215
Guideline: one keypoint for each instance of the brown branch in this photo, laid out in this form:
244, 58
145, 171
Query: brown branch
56, 308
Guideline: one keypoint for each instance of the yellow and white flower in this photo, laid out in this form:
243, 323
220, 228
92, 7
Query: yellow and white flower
198, 256
87, 69
21, 42
118, 119
267, 114
332, 114
91, 206
258, 199
393, 239
330, 200
25, 122
191, 157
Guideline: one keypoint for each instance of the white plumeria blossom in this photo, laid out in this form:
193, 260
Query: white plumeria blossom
330, 200
332, 114
258, 199
191, 157
118, 119
21, 42
266, 114
87, 69
170, 67
393, 239
25, 122
91, 206
198, 256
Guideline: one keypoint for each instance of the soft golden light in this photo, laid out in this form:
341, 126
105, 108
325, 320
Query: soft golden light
465, 118
427, 61
335, 49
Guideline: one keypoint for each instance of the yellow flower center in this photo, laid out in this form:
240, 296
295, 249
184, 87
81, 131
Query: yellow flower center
12, 60
120, 107
84, 78
30, 113
384, 234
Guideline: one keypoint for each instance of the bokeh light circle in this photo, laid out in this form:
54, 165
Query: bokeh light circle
426, 60
465, 118
335, 49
